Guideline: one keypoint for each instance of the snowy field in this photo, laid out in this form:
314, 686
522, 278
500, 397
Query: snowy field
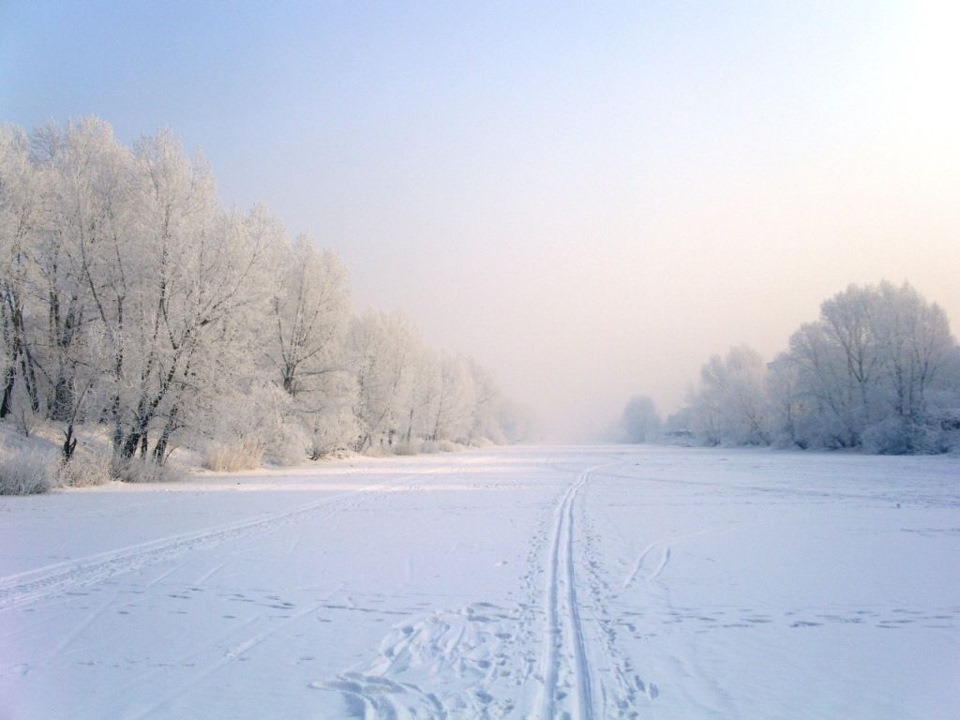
552, 582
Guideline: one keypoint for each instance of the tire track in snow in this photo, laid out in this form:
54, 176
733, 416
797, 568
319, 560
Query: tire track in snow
567, 689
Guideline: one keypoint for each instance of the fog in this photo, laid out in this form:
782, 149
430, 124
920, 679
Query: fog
589, 201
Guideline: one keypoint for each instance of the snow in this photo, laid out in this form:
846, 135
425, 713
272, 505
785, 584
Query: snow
581, 582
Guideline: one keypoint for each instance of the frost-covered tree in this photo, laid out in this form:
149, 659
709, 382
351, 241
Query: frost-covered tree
490, 411
204, 274
144, 280
828, 401
729, 405
382, 349
878, 370
785, 406
130, 298
90, 215
20, 225
873, 370
639, 421
63, 190
309, 316
452, 415
914, 342
311, 310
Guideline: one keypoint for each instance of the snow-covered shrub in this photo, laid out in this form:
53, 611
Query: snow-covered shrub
26, 473
288, 445
136, 470
440, 446
24, 417
928, 435
261, 426
377, 450
940, 433
888, 437
950, 426
84, 470
245, 453
332, 432
405, 448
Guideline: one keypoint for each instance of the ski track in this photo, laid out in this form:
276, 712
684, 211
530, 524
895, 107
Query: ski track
640, 563
462, 663
665, 546
236, 651
469, 655
574, 645
34, 585
570, 687
566, 679
558, 655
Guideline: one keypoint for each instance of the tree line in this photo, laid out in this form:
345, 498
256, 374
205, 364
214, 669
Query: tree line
133, 301
878, 371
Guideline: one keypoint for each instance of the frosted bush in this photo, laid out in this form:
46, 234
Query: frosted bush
900, 436
889, 437
141, 471
26, 473
86, 470
288, 444
440, 446
377, 450
245, 453
332, 432
405, 448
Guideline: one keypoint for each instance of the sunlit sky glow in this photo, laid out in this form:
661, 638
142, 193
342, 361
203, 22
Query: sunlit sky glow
589, 198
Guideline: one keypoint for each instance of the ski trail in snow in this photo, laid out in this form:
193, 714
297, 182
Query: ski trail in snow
467, 663
31, 586
67, 640
233, 653
210, 573
567, 689
664, 559
16, 590
666, 546
638, 565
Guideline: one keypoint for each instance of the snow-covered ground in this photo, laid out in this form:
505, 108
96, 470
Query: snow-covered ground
548, 582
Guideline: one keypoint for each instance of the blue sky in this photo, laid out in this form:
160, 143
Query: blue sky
590, 198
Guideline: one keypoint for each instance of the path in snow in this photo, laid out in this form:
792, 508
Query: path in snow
566, 677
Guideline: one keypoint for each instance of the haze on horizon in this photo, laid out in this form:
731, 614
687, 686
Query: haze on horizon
590, 201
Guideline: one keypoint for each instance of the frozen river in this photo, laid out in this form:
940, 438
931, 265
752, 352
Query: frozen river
547, 582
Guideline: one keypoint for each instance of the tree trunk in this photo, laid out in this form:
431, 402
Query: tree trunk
160, 449
69, 444
6, 404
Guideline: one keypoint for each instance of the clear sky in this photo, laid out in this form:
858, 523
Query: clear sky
590, 198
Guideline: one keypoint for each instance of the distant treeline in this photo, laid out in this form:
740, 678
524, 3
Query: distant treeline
879, 371
131, 300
